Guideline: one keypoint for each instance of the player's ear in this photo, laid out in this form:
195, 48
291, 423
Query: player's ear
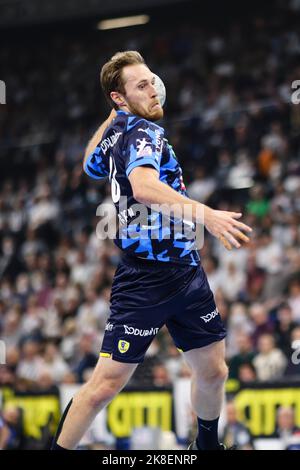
118, 98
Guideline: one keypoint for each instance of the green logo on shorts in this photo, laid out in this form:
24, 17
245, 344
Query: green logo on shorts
123, 346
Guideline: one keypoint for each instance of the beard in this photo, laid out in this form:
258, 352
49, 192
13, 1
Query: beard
153, 114
156, 115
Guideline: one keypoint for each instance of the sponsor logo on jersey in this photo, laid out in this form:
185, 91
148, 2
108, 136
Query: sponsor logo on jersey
109, 142
159, 142
129, 330
144, 148
123, 346
210, 316
109, 326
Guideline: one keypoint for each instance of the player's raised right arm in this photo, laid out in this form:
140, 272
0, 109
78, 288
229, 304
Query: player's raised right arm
94, 141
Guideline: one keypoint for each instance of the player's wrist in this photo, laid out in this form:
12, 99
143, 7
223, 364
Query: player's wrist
201, 213
208, 214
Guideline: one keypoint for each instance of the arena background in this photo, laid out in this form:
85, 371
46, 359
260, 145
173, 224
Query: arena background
233, 117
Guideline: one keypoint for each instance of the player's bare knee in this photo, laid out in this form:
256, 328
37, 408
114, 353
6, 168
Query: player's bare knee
213, 376
104, 393
223, 373
100, 398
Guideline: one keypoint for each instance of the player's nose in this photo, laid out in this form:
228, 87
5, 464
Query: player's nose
153, 91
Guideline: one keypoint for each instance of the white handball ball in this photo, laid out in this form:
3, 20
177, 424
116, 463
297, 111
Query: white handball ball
161, 89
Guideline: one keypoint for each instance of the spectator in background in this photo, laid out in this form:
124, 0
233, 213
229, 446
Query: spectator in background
23, 289
10, 262
32, 321
235, 432
69, 339
270, 362
276, 142
246, 374
284, 326
281, 206
232, 282
86, 357
44, 213
255, 279
30, 365
202, 186
269, 254
94, 312
12, 416
70, 378
261, 322
245, 355
238, 324
32, 244
173, 361
286, 426
258, 204
7, 376
82, 271
12, 327
210, 265
294, 298
12, 359
224, 167
160, 376
53, 363
4, 434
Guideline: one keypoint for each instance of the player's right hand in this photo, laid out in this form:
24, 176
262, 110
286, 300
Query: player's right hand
225, 226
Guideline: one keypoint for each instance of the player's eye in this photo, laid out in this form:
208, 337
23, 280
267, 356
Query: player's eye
141, 87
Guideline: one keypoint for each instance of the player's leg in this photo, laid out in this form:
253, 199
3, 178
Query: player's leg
138, 290
197, 329
108, 378
209, 373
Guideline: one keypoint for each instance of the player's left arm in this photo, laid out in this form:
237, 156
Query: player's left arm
148, 189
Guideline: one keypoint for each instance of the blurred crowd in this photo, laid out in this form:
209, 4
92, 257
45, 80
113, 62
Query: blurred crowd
235, 131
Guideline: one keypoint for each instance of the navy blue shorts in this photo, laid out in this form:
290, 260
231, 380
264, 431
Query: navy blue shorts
147, 295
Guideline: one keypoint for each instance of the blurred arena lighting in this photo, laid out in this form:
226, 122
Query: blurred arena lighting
123, 22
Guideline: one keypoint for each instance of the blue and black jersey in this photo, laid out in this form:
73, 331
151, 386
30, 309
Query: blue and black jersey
131, 141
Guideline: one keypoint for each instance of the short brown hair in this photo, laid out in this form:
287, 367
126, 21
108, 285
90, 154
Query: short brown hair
111, 72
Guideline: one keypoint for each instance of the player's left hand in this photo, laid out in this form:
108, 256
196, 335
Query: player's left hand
225, 226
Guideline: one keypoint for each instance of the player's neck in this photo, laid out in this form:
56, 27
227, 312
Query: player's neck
125, 109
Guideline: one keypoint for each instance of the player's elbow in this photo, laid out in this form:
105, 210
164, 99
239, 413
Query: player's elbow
141, 194
139, 189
